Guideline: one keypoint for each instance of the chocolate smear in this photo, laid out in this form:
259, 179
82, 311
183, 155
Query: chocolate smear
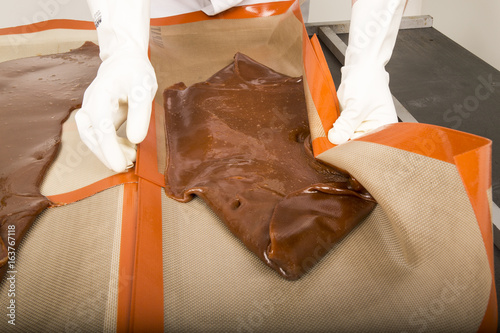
37, 94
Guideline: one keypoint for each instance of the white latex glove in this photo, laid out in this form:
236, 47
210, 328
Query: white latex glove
364, 96
217, 6
125, 84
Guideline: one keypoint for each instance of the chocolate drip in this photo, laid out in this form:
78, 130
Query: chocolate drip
240, 141
37, 95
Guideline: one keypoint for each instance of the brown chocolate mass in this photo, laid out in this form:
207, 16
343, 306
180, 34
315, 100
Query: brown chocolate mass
240, 141
37, 95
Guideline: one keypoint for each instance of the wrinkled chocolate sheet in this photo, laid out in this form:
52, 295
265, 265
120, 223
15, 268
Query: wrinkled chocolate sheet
240, 141
37, 95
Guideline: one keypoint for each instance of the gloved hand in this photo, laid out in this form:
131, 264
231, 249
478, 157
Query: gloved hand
364, 96
125, 84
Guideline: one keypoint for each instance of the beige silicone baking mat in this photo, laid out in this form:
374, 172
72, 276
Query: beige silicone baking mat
75, 165
418, 263
43, 42
66, 267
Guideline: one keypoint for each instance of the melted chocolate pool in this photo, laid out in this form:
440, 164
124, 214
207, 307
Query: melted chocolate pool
240, 141
37, 95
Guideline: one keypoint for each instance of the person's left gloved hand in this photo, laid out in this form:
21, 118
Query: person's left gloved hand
364, 95
125, 84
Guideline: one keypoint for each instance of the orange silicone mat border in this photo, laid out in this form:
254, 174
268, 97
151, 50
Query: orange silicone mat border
424, 139
147, 162
474, 165
322, 89
321, 60
48, 25
127, 256
248, 11
89, 190
146, 311
239, 12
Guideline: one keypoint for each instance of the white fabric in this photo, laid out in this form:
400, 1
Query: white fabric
166, 8
364, 95
25, 12
218, 6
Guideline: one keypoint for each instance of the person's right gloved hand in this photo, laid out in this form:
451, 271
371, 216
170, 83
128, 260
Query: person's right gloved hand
125, 84
122, 90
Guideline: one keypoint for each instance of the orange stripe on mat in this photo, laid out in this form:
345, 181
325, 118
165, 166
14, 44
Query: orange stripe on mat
475, 169
89, 190
318, 51
250, 11
147, 163
127, 256
48, 25
146, 313
429, 140
490, 319
325, 100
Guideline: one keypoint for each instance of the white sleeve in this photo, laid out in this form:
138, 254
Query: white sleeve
218, 6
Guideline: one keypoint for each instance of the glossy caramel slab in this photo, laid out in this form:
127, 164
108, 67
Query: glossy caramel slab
240, 141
